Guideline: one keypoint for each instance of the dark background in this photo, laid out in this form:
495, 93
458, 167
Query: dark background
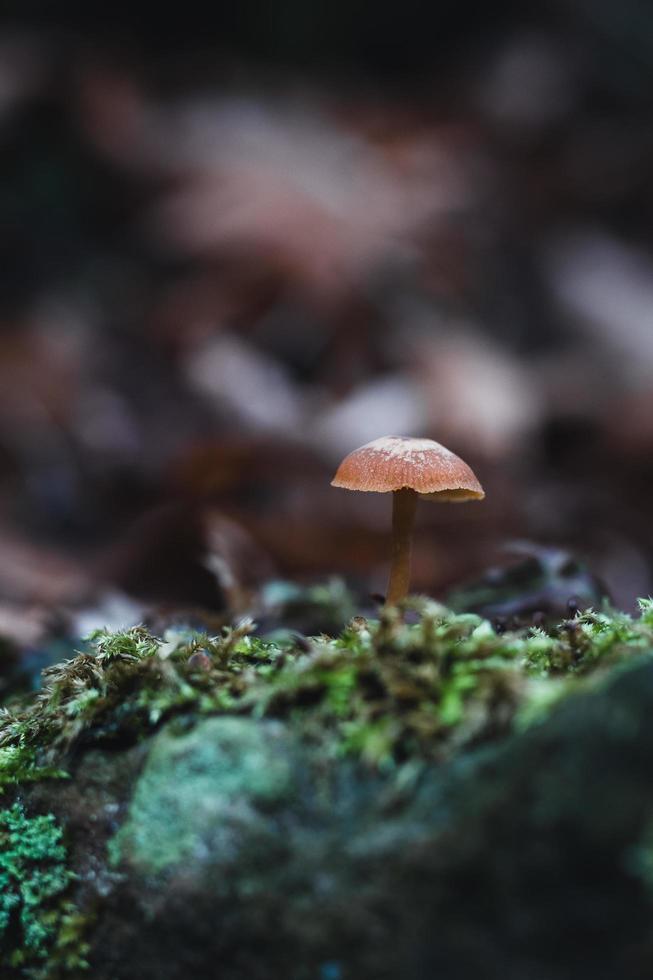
237, 245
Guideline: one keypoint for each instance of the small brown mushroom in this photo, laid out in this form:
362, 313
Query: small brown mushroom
410, 468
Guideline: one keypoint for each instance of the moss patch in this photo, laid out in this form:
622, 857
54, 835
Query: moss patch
18, 764
40, 931
384, 691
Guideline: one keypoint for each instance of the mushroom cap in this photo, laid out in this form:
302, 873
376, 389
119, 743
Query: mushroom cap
395, 462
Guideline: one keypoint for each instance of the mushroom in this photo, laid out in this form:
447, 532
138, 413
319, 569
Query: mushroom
409, 468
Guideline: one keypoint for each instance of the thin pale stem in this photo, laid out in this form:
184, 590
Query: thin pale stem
404, 503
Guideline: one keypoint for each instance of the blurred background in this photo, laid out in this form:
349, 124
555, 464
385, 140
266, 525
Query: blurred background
237, 245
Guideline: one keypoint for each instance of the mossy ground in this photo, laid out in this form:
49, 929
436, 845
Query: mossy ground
384, 690
412, 688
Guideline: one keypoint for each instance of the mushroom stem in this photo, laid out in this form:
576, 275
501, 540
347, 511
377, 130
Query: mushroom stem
404, 502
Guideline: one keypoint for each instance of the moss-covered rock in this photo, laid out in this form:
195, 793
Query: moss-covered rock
402, 801
234, 772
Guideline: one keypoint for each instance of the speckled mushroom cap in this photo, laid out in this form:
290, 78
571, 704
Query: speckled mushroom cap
395, 462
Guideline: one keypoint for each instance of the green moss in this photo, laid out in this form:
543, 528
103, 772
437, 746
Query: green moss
388, 691
383, 690
40, 931
18, 764
125, 683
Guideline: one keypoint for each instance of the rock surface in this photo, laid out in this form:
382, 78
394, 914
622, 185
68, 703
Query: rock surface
237, 851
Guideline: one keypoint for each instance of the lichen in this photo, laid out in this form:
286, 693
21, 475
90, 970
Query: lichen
41, 932
384, 690
223, 770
